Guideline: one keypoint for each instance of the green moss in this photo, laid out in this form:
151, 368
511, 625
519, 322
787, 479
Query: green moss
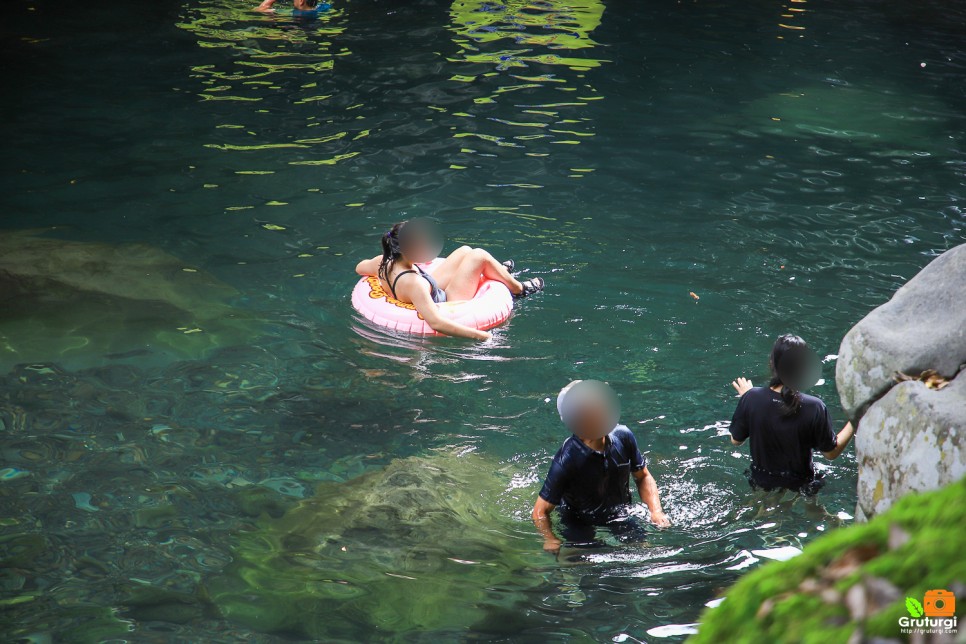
931, 558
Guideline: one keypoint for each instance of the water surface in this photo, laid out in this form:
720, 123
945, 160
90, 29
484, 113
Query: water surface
789, 164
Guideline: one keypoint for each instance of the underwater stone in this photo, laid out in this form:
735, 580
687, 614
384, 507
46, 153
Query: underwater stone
417, 545
67, 299
878, 118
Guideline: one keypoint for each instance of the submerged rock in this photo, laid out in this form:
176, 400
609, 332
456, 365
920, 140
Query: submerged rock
885, 119
68, 300
910, 435
418, 545
851, 584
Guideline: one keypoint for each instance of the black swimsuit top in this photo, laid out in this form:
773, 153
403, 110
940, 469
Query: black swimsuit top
435, 292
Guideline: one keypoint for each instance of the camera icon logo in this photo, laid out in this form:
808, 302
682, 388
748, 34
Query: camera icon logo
939, 603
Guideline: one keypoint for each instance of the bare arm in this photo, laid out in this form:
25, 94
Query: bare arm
265, 6
841, 442
417, 290
742, 386
541, 519
647, 488
368, 266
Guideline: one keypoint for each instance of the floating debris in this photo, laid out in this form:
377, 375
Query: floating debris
930, 377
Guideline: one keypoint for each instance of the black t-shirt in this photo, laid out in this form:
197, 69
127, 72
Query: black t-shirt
781, 446
591, 485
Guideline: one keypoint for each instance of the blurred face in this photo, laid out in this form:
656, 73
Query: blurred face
799, 368
590, 409
420, 240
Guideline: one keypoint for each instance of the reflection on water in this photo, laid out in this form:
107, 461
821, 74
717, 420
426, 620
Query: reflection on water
534, 56
531, 29
261, 47
792, 17
278, 66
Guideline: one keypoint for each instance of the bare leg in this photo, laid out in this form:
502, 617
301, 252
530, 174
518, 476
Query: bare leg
444, 274
465, 278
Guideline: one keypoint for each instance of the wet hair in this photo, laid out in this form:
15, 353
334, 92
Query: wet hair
311, 3
786, 346
391, 251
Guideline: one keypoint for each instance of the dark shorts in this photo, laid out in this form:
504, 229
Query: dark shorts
768, 481
583, 534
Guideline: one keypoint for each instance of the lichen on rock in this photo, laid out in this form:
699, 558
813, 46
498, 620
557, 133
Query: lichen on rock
912, 439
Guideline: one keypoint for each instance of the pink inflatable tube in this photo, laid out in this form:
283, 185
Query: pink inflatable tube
490, 306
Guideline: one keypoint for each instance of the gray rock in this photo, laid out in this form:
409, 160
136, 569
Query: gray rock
910, 440
922, 327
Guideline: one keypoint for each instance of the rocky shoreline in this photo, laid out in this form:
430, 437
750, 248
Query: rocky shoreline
900, 376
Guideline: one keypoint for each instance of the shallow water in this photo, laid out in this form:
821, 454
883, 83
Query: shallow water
789, 168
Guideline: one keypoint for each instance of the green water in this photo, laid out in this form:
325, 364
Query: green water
791, 165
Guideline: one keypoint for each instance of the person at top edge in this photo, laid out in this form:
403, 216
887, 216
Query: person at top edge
588, 481
785, 425
300, 8
410, 243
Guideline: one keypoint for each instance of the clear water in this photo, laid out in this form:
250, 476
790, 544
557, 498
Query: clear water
789, 164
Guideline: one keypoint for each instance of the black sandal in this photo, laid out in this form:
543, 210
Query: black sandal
530, 287
509, 265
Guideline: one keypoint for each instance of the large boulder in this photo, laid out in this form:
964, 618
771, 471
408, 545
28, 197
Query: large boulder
910, 435
922, 327
911, 439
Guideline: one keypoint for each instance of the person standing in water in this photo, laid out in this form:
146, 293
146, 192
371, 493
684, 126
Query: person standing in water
784, 424
410, 243
300, 8
589, 475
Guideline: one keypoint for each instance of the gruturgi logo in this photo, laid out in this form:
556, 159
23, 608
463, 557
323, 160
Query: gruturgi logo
936, 614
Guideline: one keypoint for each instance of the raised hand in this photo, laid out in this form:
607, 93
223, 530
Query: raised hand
741, 385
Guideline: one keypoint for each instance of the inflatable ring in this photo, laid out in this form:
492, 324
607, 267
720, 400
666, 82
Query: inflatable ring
490, 306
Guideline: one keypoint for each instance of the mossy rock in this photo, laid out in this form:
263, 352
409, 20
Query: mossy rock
421, 545
853, 580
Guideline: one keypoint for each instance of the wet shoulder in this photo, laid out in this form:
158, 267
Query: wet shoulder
621, 434
763, 393
812, 403
758, 397
403, 277
569, 450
